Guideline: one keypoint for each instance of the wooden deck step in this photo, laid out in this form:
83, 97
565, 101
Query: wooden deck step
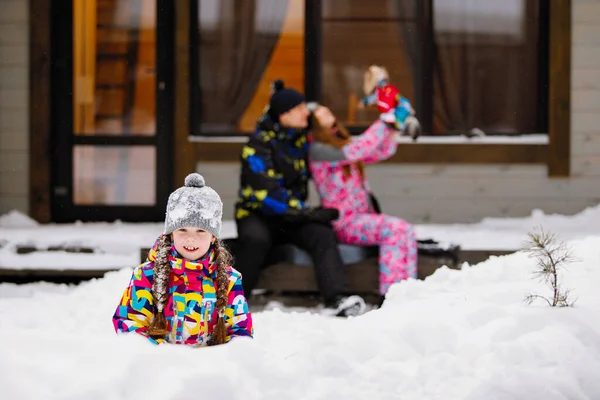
362, 276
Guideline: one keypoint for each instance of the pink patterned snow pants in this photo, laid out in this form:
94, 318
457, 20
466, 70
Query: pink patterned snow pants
396, 240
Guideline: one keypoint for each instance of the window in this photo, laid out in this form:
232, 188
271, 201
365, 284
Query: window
114, 102
114, 175
487, 66
464, 65
238, 48
356, 34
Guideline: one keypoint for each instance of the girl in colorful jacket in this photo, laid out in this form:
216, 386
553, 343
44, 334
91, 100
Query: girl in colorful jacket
337, 166
187, 292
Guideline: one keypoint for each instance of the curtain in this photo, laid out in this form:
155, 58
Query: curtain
409, 36
237, 38
486, 65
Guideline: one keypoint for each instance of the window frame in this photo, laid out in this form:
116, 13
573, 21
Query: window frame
555, 154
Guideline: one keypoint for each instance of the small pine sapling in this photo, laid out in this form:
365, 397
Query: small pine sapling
551, 256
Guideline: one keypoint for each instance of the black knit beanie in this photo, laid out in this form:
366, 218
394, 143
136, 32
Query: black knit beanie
283, 100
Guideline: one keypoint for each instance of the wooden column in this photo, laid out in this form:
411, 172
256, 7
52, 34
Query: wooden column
559, 93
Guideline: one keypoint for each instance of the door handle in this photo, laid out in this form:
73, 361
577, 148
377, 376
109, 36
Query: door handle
60, 190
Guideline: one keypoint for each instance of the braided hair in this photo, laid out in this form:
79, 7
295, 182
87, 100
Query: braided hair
162, 270
223, 259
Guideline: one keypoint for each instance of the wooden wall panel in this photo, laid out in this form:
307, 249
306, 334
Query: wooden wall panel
84, 70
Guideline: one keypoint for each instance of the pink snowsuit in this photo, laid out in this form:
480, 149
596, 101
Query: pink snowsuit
358, 223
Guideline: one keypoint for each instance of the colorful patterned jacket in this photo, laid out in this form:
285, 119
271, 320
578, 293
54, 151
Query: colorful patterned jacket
350, 195
190, 312
274, 175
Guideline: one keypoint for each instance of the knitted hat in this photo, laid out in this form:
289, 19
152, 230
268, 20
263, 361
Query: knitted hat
283, 100
194, 205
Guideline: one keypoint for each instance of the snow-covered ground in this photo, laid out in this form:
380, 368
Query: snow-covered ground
117, 244
456, 335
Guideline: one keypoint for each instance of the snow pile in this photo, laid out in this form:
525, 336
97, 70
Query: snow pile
16, 219
509, 233
13, 290
457, 335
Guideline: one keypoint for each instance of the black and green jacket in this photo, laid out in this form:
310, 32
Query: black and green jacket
274, 176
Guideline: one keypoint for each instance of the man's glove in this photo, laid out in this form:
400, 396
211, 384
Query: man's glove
316, 214
323, 215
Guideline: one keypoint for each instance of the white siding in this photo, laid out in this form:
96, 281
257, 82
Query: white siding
14, 103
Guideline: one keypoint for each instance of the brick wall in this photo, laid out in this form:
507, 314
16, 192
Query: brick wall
14, 103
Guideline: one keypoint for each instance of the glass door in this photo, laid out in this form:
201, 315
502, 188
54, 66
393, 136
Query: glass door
112, 110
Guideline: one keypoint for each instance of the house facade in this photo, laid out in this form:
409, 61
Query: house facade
106, 105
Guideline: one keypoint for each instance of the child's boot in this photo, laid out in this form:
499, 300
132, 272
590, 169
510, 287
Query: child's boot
350, 306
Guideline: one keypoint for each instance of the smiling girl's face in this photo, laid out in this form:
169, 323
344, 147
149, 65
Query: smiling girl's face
192, 243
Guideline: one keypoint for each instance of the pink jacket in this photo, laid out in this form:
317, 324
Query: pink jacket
350, 195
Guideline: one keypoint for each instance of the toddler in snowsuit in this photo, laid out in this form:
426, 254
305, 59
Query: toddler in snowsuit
337, 168
395, 109
187, 292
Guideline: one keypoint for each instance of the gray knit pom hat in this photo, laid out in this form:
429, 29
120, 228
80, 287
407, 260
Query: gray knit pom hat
194, 205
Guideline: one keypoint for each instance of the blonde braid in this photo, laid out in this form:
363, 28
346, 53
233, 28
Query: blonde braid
223, 259
162, 270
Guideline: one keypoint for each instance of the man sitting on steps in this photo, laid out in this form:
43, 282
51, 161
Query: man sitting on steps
270, 209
